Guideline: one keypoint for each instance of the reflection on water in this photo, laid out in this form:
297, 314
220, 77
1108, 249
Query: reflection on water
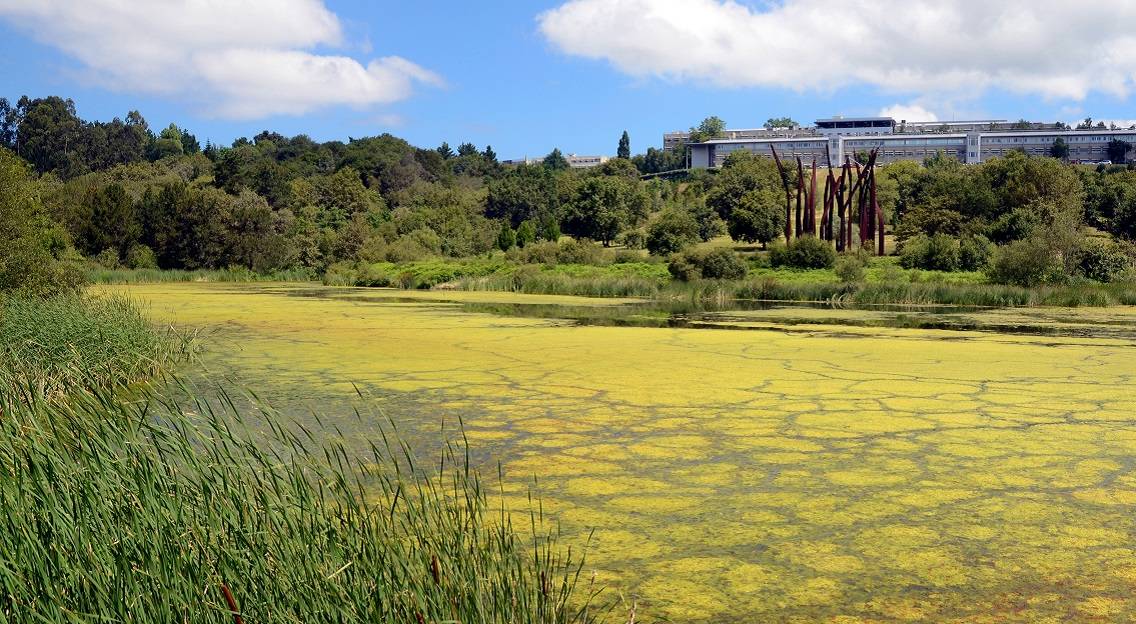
877, 465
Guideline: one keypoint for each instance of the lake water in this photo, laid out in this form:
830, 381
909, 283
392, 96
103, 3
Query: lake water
753, 464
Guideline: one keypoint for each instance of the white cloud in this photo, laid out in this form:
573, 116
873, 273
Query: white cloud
908, 112
239, 58
1052, 48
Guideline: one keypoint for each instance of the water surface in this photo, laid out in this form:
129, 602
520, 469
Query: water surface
798, 464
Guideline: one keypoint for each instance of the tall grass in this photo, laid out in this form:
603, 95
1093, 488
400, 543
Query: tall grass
157, 276
771, 289
51, 346
122, 504
128, 511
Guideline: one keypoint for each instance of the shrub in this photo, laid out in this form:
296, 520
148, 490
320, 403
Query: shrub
627, 256
717, 263
808, 252
672, 232
580, 252
1028, 262
850, 268
1103, 261
634, 239
107, 259
975, 253
936, 253
141, 257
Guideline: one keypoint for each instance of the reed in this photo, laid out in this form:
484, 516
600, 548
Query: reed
127, 504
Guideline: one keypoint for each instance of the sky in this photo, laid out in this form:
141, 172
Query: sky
528, 76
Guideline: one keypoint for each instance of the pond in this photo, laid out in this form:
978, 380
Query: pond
795, 464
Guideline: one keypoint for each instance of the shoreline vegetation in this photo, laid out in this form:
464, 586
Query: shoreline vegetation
883, 283
127, 492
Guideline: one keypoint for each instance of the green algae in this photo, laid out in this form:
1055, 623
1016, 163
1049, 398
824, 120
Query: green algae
906, 474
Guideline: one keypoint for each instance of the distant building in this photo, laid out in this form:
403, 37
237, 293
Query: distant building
965, 141
575, 161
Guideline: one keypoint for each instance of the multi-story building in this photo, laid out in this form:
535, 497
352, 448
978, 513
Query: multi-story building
968, 141
575, 161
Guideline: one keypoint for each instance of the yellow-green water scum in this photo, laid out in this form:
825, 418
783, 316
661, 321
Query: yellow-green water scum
816, 473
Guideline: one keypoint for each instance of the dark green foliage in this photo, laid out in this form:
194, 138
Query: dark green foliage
624, 150
1118, 151
1028, 262
506, 238
758, 217
673, 231
522, 194
34, 256
931, 253
807, 252
1104, 261
1060, 149
603, 206
526, 234
975, 253
555, 161
719, 263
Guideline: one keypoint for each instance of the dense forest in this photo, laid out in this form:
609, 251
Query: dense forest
77, 193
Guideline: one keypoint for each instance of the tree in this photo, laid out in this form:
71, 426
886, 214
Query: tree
759, 217
1087, 124
506, 238
781, 122
489, 155
467, 149
710, 128
31, 257
522, 194
112, 223
1060, 149
167, 143
672, 232
526, 234
741, 174
445, 150
603, 206
250, 238
555, 161
624, 150
1118, 151
8, 124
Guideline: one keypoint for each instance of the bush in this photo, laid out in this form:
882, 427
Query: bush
850, 268
1103, 261
808, 252
975, 253
936, 253
107, 259
717, 263
141, 257
672, 232
1028, 262
634, 239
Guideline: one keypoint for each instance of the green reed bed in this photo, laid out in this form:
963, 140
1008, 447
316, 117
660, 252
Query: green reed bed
157, 276
150, 511
122, 504
56, 345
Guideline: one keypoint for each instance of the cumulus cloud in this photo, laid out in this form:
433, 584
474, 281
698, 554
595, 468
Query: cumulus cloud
240, 58
908, 112
1053, 48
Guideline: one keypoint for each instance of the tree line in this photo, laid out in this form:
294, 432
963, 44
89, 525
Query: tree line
120, 194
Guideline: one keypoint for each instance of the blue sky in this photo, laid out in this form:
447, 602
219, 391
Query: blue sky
498, 73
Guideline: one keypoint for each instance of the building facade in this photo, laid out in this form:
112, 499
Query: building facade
968, 142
